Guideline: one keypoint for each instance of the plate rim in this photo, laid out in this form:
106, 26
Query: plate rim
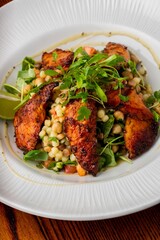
81, 218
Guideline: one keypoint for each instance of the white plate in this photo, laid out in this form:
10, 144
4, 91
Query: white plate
28, 27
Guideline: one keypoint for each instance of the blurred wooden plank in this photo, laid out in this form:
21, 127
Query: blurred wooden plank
16, 225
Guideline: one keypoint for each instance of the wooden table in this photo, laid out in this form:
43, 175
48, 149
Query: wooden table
17, 225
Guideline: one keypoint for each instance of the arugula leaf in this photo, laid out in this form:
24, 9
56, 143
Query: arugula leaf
96, 58
126, 159
107, 159
157, 95
82, 95
11, 89
101, 94
101, 163
113, 60
80, 77
132, 66
79, 51
20, 83
27, 63
107, 126
69, 162
83, 113
78, 63
27, 75
51, 165
155, 115
36, 155
110, 158
51, 72
67, 81
150, 101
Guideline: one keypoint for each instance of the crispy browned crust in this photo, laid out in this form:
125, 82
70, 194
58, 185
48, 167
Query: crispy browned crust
140, 127
82, 135
116, 48
63, 58
30, 117
139, 135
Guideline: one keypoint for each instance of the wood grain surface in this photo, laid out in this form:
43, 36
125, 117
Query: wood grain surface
17, 225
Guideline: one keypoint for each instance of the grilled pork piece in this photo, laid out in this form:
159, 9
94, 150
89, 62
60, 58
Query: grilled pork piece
30, 117
57, 57
140, 127
82, 135
116, 48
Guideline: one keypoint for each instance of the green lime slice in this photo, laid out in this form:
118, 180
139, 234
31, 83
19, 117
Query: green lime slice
11, 89
8, 102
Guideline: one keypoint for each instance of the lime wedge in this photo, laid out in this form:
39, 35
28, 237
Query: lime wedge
8, 102
11, 89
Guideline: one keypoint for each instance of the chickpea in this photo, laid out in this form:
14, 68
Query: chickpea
60, 136
72, 157
49, 130
58, 156
47, 123
115, 148
136, 80
101, 113
38, 81
142, 70
47, 78
64, 159
66, 152
127, 74
57, 127
54, 150
47, 149
134, 58
117, 129
118, 115
26, 89
42, 74
42, 134
146, 96
55, 143
105, 118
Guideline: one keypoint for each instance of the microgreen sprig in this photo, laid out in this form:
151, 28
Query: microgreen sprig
89, 74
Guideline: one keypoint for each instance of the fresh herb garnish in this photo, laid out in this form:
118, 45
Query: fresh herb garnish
36, 155
152, 102
88, 74
54, 55
83, 113
123, 98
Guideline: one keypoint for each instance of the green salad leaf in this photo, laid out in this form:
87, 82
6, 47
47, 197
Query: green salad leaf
36, 155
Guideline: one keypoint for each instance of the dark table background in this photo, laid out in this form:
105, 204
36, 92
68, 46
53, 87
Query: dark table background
17, 225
